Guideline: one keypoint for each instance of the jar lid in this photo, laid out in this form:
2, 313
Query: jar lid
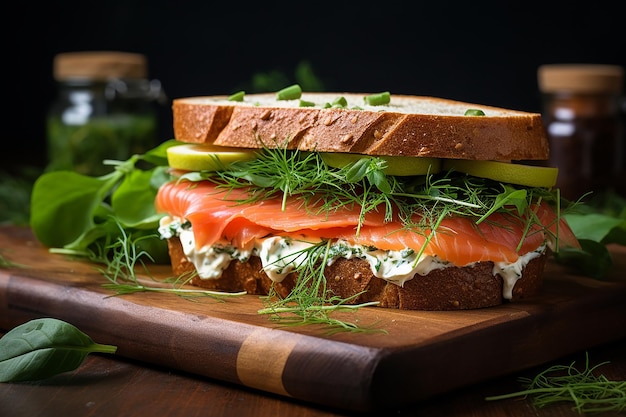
580, 78
99, 65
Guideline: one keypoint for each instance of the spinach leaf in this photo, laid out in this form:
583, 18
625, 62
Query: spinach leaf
598, 227
594, 228
593, 259
71, 211
133, 200
42, 348
63, 204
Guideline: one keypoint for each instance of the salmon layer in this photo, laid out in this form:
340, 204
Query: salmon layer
220, 216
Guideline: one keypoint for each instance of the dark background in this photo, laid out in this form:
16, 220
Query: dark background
479, 51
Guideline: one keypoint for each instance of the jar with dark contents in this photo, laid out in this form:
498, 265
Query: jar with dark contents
106, 109
583, 118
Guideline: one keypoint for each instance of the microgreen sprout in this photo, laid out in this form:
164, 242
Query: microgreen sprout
588, 392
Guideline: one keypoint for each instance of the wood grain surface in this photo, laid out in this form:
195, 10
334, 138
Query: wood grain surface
113, 386
421, 355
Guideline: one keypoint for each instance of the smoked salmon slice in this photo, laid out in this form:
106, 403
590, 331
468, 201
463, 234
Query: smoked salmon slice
218, 215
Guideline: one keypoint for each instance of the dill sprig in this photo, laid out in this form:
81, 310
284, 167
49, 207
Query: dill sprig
122, 258
279, 172
565, 383
282, 173
310, 302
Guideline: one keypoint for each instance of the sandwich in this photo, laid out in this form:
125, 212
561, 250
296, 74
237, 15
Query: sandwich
405, 202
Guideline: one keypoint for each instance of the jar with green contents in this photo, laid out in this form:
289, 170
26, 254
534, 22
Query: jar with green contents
106, 109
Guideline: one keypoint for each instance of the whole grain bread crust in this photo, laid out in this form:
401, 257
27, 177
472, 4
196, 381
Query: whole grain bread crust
453, 288
416, 126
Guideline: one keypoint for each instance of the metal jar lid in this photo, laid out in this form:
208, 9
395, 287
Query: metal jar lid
580, 78
99, 65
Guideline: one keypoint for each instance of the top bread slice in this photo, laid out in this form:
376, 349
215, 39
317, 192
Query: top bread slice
418, 126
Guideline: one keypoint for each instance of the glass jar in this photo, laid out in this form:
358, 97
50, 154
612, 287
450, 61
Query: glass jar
581, 109
105, 109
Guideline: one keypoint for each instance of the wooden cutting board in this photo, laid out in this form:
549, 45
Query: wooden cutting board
422, 354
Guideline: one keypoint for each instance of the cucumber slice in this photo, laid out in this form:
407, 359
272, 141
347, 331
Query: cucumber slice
192, 157
528, 175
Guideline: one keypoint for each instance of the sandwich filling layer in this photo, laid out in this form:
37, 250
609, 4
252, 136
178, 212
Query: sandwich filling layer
281, 256
217, 226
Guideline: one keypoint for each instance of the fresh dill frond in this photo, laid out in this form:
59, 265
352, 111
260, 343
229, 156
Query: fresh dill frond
275, 172
122, 259
566, 384
283, 173
332, 325
310, 302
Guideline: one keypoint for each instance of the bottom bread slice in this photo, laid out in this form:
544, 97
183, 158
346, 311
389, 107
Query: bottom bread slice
452, 288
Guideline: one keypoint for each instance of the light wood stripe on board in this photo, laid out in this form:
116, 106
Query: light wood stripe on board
262, 357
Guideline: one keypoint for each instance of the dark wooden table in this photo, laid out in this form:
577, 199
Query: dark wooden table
113, 386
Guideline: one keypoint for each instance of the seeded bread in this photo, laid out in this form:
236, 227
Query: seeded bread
409, 126
454, 288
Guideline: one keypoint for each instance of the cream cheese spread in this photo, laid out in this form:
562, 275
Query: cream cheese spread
280, 256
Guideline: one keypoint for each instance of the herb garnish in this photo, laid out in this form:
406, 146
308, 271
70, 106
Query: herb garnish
565, 383
123, 257
310, 302
74, 211
278, 172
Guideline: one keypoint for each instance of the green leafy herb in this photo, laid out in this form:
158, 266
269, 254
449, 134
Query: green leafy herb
565, 383
42, 348
124, 256
283, 173
75, 211
310, 302
597, 223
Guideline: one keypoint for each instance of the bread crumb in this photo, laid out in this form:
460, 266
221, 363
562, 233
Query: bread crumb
328, 121
266, 115
354, 119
